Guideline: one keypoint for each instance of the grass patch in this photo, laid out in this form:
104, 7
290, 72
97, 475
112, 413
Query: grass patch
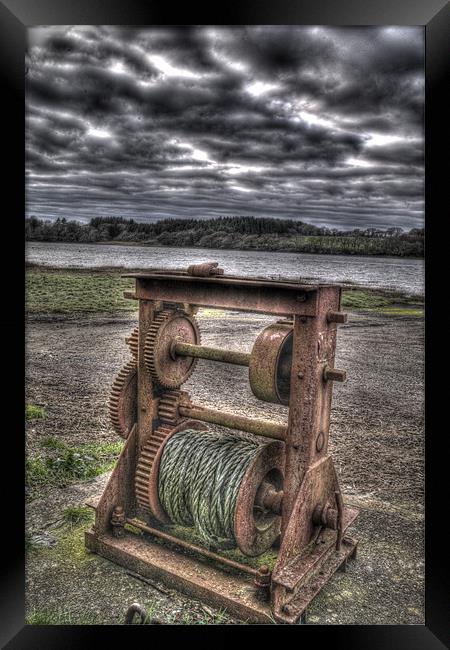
63, 464
382, 302
77, 515
217, 618
403, 311
358, 299
71, 549
73, 291
60, 617
33, 412
77, 291
51, 442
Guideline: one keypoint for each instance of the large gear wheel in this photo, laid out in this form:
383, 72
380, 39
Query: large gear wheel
165, 369
123, 400
145, 464
147, 468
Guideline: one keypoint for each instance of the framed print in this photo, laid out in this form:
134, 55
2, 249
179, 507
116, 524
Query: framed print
228, 330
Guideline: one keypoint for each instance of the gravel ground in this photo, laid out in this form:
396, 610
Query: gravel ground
376, 441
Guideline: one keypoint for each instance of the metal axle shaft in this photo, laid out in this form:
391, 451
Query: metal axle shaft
259, 427
179, 348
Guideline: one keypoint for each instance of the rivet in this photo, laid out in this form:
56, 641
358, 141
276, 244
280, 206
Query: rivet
320, 441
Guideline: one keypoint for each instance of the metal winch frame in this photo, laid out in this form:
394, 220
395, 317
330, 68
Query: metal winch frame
313, 542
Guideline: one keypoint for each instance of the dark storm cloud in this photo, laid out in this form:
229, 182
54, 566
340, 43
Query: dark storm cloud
311, 123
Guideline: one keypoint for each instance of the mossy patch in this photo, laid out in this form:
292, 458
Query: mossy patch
33, 412
358, 299
70, 549
76, 515
62, 464
402, 311
390, 303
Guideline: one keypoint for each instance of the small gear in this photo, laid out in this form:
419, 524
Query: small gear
167, 326
123, 400
168, 407
145, 464
133, 342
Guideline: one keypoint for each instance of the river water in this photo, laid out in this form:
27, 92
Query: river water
400, 274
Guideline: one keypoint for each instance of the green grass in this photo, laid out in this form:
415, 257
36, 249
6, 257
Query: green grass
383, 302
63, 464
51, 442
61, 617
33, 412
77, 291
359, 299
76, 515
403, 311
72, 291
208, 619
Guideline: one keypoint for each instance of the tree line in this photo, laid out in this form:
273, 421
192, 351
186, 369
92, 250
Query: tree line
235, 232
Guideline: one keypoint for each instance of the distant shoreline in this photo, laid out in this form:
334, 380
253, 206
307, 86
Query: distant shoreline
251, 250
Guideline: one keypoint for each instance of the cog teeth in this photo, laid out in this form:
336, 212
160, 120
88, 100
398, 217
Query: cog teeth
145, 464
133, 342
122, 399
168, 407
151, 344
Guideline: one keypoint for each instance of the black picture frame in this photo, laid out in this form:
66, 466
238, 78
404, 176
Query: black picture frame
15, 17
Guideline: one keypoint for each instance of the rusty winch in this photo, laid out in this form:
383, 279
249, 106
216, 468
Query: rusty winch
275, 489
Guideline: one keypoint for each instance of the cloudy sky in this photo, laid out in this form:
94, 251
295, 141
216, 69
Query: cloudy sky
320, 124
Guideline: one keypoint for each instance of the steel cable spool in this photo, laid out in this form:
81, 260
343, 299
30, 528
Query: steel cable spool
210, 481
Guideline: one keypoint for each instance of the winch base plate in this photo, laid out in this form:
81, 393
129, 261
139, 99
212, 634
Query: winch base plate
212, 585
184, 573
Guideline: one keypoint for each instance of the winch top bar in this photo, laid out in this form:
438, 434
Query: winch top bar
282, 298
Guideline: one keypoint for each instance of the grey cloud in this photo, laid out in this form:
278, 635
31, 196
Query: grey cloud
320, 124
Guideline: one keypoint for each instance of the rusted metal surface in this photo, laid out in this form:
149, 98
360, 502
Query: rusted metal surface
270, 364
314, 345
166, 369
269, 497
152, 482
136, 610
312, 538
119, 489
339, 317
211, 354
136, 614
263, 428
205, 270
262, 584
334, 374
256, 528
123, 400
263, 296
292, 611
190, 575
118, 521
146, 401
193, 548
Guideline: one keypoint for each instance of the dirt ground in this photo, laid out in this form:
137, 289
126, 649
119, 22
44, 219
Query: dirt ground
376, 441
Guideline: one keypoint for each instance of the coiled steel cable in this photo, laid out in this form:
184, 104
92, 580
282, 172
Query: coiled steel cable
199, 479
